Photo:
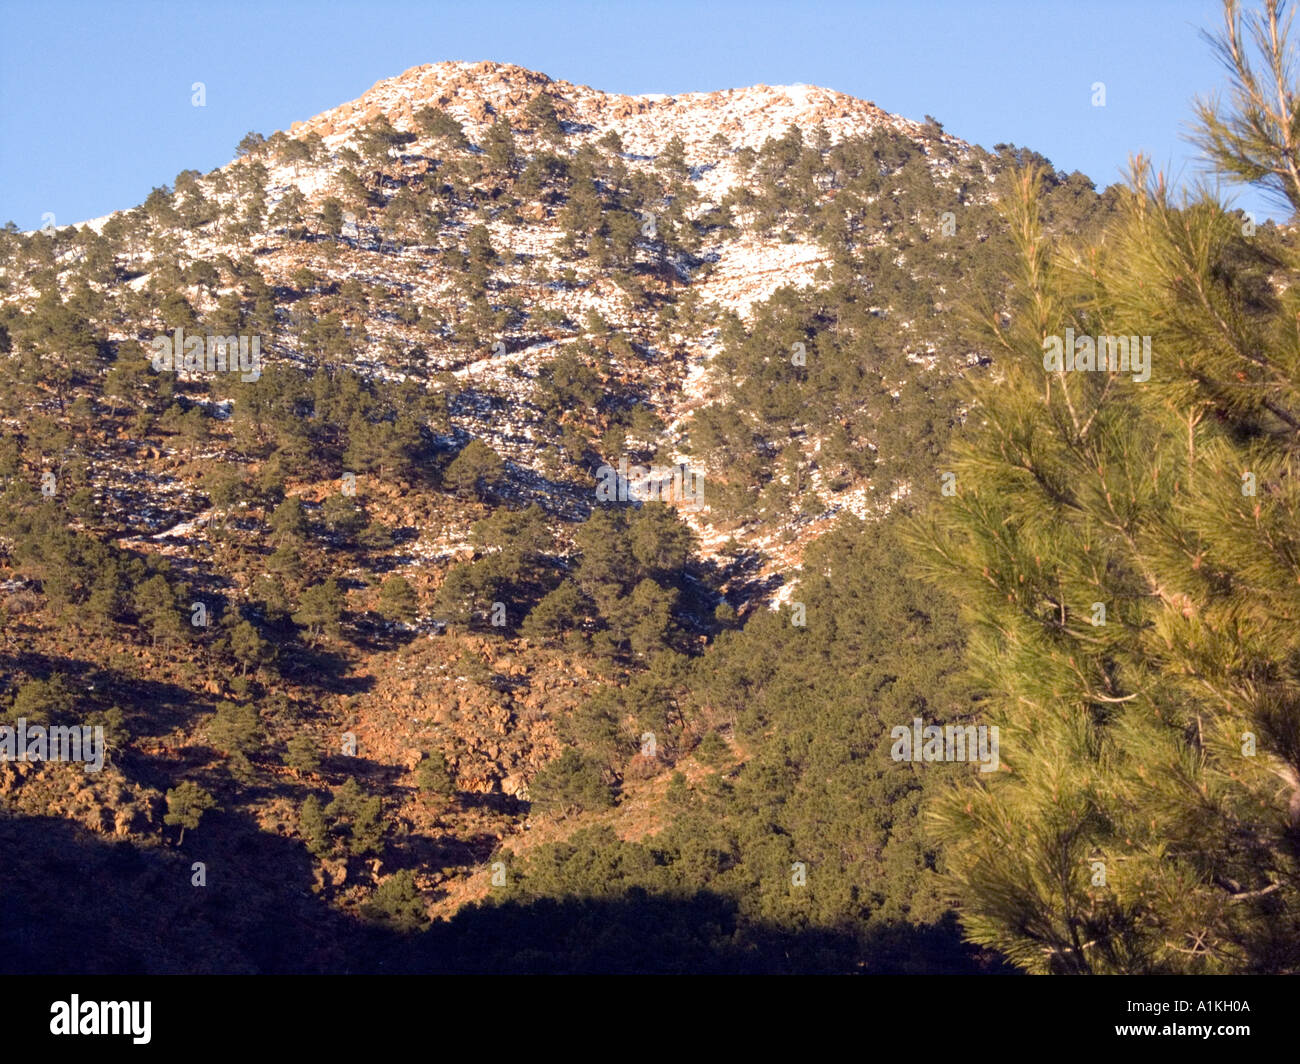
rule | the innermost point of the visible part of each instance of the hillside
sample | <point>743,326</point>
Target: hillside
<point>363,589</point>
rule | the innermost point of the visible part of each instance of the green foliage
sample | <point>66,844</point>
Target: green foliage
<point>1252,137</point>
<point>499,144</point>
<point>342,515</point>
<point>249,648</point>
<point>850,382</point>
<point>186,804</point>
<point>251,144</point>
<point>159,608</point>
<point>397,599</point>
<point>570,783</point>
<point>476,470</point>
<point>113,721</point>
<point>235,729</point>
<point>302,754</point>
<point>434,776</point>
<point>377,141</point>
<point>439,125</point>
<point>811,709</point>
<point>1144,820</point>
<point>288,519</point>
<point>320,609</point>
<point>357,818</point>
<point>713,750</point>
<point>397,904</point>
<point>558,612</point>
<point>596,727</point>
<point>633,567</point>
<point>331,216</point>
<point>313,827</point>
<point>541,113</point>
<point>43,701</point>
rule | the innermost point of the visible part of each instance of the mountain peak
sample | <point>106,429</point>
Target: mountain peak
<point>477,93</point>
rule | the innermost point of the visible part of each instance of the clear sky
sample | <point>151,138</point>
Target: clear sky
<point>95,96</point>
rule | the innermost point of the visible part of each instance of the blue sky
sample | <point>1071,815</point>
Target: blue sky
<point>95,96</point>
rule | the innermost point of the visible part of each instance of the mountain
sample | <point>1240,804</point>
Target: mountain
<point>378,583</point>
<point>477,94</point>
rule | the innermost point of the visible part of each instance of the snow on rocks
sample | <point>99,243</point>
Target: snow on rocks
<point>750,269</point>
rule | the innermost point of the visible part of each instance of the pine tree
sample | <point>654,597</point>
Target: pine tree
<point>252,144</point>
<point>475,470</point>
<point>320,608</point>
<point>313,827</point>
<point>287,520</point>
<point>377,141</point>
<point>331,216</point>
<point>435,776</point>
<point>438,125</point>
<point>1255,138</point>
<point>156,604</point>
<point>288,213</point>
<point>342,515</point>
<point>43,701</point>
<point>186,804</point>
<point>558,612</point>
<point>397,903</point>
<point>1125,550</point>
<point>545,121</point>
<point>302,754</point>
<point>359,818</point>
<point>397,599</point>
<point>499,144</point>
<point>571,782</point>
<point>235,729</point>
<point>249,648</point>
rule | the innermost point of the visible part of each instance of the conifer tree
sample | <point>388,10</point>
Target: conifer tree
<point>313,827</point>
<point>288,520</point>
<point>249,648</point>
<point>1126,552</point>
<point>320,609</point>
<point>288,213</point>
<point>157,605</point>
<point>186,804</point>
<point>541,112</point>
<point>476,469</point>
<point>397,599</point>
<point>397,903</point>
<point>252,144</point>
<point>438,125</point>
<point>303,755</point>
<point>499,143</point>
<point>434,775</point>
<point>358,817</point>
<point>234,728</point>
<point>571,782</point>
